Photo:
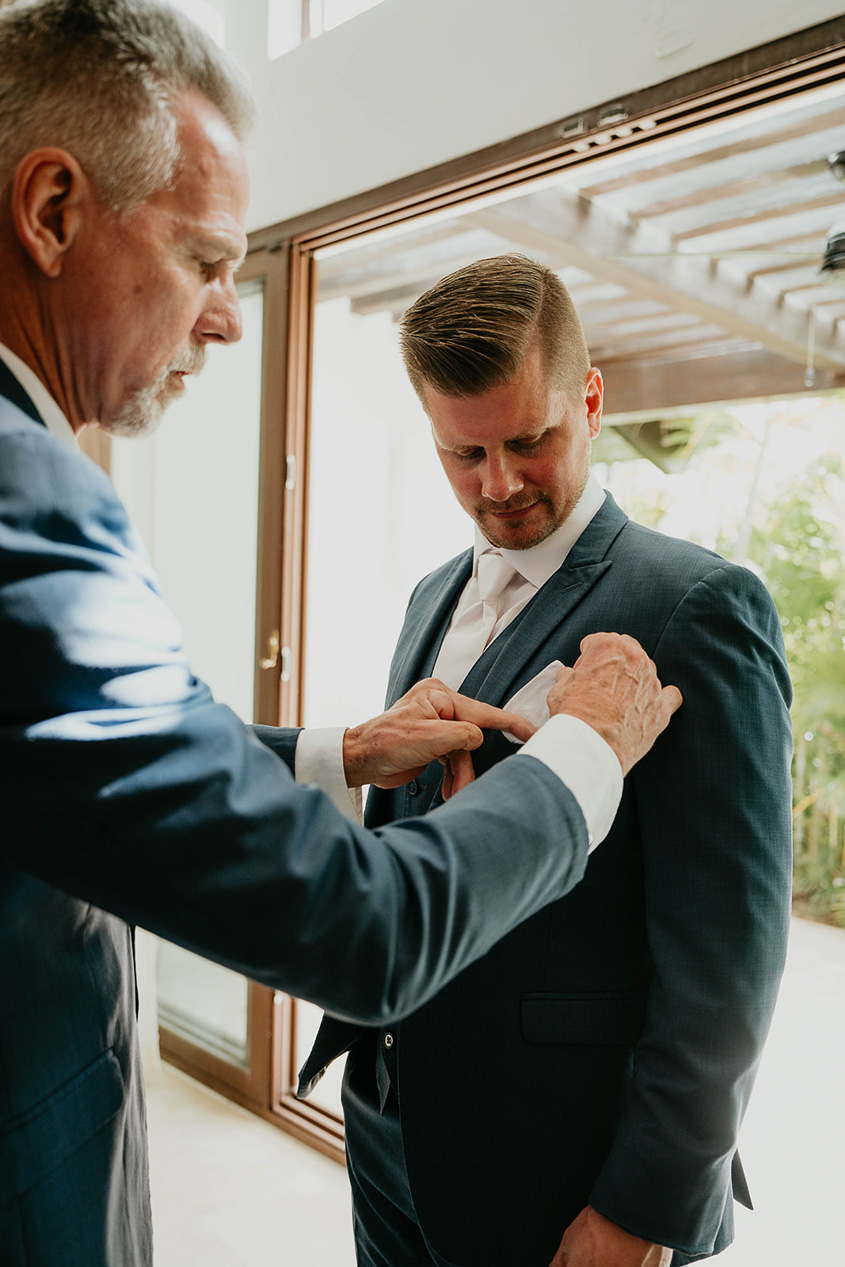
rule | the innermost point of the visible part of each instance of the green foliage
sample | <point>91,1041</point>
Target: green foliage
<point>764,484</point>
<point>798,545</point>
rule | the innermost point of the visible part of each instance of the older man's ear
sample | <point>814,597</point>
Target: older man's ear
<point>48,200</point>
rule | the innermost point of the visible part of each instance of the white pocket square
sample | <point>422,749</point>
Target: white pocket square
<point>530,700</point>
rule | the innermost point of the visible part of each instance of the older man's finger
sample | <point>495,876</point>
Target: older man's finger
<point>490,718</point>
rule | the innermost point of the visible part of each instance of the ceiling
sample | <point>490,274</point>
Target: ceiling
<point>693,260</point>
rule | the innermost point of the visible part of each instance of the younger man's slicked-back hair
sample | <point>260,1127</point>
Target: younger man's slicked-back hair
<point>100,78</point>
<point>472,331</point>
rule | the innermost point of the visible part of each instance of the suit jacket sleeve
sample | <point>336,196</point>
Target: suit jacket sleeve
<point>714,804</point>
<point>281,740</point>
<point>127,785</point>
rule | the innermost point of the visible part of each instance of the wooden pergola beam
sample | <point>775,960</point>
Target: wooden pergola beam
<point>731,189</point>
<point>642,388</point>
<point>639,258</point>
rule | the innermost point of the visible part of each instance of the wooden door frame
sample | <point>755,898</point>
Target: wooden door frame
<point>284,253</point>
<point>254,1085</point>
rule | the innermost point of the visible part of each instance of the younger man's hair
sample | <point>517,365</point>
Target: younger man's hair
<point>472,331</point>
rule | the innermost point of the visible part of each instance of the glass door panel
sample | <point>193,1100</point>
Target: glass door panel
<point>206,479</point>
<point>326,1095</point>
<point>204,1003</point>
<point>380,512</point>
<point>380,515</point>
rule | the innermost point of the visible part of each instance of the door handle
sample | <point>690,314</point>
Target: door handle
<point>271,659</point>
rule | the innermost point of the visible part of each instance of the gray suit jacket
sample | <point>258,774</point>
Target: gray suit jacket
<point>129,796</point>
<point>604,1052</point>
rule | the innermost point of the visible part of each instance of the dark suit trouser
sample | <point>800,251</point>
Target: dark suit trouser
<point>387,1233</point>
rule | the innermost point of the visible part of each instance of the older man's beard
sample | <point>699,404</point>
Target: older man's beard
<point>142,413</point>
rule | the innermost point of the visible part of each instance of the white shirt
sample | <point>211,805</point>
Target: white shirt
<point>568,746</point>
<point>532,567</point>
<point>50,412</point>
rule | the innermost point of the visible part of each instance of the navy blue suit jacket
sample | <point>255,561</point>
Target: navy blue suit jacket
<point>604,1052</point>
<point>129,796</point>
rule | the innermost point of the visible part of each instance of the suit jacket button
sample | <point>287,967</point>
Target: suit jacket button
<point>413,787</point>
<point>388,1040</point>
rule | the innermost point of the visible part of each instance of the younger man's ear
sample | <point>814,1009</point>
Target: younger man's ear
<point>49,195</point>
<point>594,398</point>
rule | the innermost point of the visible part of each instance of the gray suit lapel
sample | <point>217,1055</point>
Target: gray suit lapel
<point>519,653</point>
<point>508,663</point>
<point>496,672</point>
<point>533,639</point>
<point>12,390</point>
<point>426,625</point>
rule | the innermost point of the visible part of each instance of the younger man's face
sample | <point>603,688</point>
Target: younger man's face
<point>517,456</point>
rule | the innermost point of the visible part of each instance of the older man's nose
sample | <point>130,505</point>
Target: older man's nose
<point>221,319</point>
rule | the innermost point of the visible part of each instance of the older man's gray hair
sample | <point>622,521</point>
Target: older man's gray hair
<point>99,78</point>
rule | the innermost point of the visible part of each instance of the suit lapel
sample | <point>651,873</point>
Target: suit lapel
<point>12,390</point>
<point>532,640</point>
<point>426,624</point>
<point>513,659</point>
<point>519,653</point>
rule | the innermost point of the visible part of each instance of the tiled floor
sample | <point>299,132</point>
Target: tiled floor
<point>232,1191</point>
<point>792,1141</point>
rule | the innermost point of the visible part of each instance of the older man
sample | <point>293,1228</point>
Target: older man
<point>126,789</point>
<point>574,1097</point>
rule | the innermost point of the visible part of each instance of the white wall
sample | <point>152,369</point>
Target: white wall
<point>412,83</point>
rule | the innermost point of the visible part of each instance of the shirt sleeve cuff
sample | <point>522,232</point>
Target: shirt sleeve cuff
<point>588,766</point>
<point>319,759</point>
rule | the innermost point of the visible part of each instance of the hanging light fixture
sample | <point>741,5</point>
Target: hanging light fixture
<point>833,262</point>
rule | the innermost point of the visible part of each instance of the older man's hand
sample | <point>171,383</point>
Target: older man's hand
<point>432,722</point>
<point>614,687</point>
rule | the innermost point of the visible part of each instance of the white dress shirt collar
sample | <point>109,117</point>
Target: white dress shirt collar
<point>51,414</point>
<point>540,562</point>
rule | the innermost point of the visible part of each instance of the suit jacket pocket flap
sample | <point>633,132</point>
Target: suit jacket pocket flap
<point>583,1019</point>
<point>36,1141</point>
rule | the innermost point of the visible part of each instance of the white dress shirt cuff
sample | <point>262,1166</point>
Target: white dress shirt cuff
<point>588,766</point>
<point>319,759</point>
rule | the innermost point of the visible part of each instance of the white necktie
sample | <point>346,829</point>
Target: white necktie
<point>469,635</point>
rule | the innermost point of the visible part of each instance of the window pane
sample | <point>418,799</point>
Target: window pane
<point>381,513</point>
<point>204,1002</point>
<point>659,249</point>
<point>326,1095</point>
<point>285,20</point>
<point>284,26</point>
<point>206,479</point>
<point>206,459</point>
<point>207,14</point>
<point>335,12</point>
